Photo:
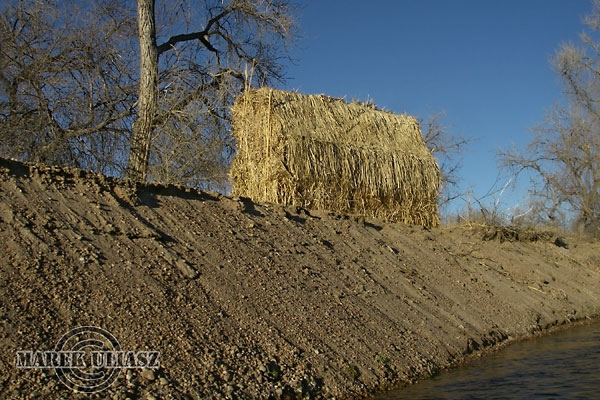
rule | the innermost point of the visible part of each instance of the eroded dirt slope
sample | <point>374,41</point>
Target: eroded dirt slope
<point>251,300</point>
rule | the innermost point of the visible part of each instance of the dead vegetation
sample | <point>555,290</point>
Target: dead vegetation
<point>323,153</point>
<point>509,233</point>
<point>514,234</point>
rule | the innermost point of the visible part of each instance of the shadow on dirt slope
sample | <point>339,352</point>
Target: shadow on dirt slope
<point>247,300</point>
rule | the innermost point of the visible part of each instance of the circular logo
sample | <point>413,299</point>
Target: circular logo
<point>85,364</point>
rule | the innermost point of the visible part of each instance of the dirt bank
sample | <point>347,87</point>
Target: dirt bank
<point>251,300</point>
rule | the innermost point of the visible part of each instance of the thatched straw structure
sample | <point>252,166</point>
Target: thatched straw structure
<point>323,153</point>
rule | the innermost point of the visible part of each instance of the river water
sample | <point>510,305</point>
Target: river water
<point>564,365</point>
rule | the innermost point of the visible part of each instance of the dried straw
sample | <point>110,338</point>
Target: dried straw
<point>323,153</point>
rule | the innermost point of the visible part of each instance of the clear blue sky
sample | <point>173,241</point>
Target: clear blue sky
<point>484,62</point>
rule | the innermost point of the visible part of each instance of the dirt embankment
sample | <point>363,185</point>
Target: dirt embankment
<point>251,300</point>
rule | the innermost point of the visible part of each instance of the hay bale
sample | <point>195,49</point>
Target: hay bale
<point>323,153</point>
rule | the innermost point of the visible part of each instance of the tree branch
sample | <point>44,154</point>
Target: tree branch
<point>202,36</point>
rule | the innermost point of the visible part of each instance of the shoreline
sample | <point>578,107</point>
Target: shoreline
<point>484,360</point>
<point>462,362</point>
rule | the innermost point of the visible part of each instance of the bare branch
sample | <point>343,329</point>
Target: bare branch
<point>447,149</point>
<point>202,36</point>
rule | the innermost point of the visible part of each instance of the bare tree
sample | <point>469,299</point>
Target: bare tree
<point>447,149</point>
<point>66,84</point>
<point>564,154</point>
<point>148,92</point>
<point>81,84</point>
<point>199,72</point>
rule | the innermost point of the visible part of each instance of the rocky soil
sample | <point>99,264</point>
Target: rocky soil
<point>248,300</point>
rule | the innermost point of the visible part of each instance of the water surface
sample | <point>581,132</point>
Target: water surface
<point>564,365</point>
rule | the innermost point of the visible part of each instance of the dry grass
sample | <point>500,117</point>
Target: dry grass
<point>323,153</point>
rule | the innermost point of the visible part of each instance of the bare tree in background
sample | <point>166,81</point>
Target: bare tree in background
<point>76,88</point>
<point>447,150</point>
<point>564,154</point>
<point>198,73</point>
<point>147,94</point>
<point>66,82</point>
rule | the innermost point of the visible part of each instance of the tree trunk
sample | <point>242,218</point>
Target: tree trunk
<point>137,165</point>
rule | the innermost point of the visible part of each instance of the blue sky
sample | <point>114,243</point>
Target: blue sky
<point>484,62</point>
